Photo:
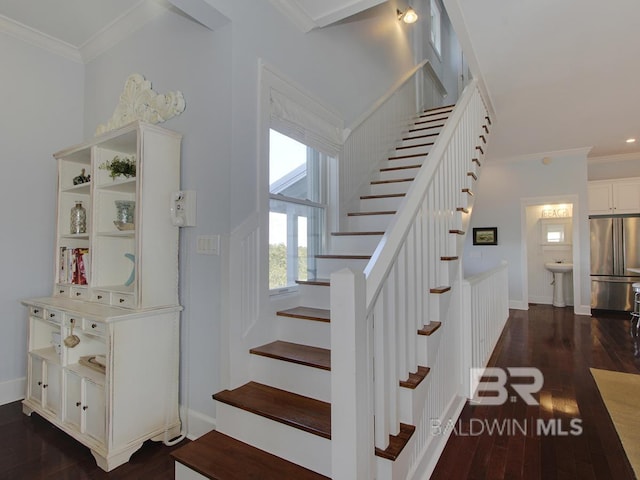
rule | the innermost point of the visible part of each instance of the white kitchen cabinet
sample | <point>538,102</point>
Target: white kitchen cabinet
<point>116,290</point>
<point>608,197</point>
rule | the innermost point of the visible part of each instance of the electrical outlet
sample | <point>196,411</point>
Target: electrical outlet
<point>208,244</point>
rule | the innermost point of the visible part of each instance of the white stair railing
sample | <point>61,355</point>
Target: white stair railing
<point>393,302</point>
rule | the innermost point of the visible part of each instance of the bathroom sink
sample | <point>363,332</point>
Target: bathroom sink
<point>558,267</point>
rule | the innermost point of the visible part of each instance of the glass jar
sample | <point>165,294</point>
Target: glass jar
<point>125,210</point>
<point>78,219</point>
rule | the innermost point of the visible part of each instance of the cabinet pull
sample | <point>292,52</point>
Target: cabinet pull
<point>52,315</point>
<point>93,325</point>
<point>39,384</point>
<point>121,300</point>
<point>99,297</point>
<point>78,404</point>
<point>85,407</point>
<point>72,321</point>
<point>60,291</point>
<point>45,385</point>
<point>36,311</point>
<point>78,294</point>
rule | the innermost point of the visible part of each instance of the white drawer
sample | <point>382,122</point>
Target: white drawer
<point>93,327</point>
<point>62,290</point>
<point>36,312</point>
<point>122,300</point>
<point>80,293</point>
<point>101,296</point>
<point>54,316</point>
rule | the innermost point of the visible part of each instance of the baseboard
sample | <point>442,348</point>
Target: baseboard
<point>198,424</point>
<point>582,310</point>
<point>429,457</point>
<point>13,390</point>
<point>518,305</point>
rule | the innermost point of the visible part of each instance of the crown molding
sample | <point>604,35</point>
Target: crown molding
<point>123,26</point>
<point>296,14</point>
<point>622,157</point>
<point>39,39</point>
<point>571,152</point>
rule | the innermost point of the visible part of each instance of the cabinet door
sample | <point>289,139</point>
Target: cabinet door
<point>73,400</point>
<point>36,378</point>
<point>626,197</point>
<point>94,409</point>
<point>53,388</point>
<point>600,198</point>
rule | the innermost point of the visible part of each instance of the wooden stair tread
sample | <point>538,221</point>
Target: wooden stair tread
<point>443,107</point>
<point>323,282</point>
<point>397,442</point>
<point>341,234</point>
<point>220,457</point>
<point>440,290</point>
<point>415,378</point>
<point>415,137</point>
<point>457,232</point>
<point>296,353</point>
<point>417,145</point>
<point>306,313</point>
<point>397,180</point>
<point>304,413</point>
<point>394,169</point>
<point>387,195</point>
<point>345,257</point>
<point>430,328</point>
<point>413,155</point>
<point>364,214</point>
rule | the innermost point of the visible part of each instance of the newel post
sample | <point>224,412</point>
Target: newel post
<point>352,445</point>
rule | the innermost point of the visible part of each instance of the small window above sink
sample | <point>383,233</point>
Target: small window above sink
<point>555,231</point>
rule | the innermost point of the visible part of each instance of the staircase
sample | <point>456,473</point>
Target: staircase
<point>279,424</point>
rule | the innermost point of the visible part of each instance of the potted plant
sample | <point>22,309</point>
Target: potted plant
<point>120,166</point>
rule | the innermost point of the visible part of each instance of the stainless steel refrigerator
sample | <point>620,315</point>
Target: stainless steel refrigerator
<point>614,248</point>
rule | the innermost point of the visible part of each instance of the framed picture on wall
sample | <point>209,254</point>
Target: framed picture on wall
<point>485,236</point>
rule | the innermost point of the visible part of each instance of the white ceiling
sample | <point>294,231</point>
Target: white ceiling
<point>561,75</point>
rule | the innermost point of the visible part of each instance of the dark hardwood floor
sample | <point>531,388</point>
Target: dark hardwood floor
<point>561,345</point>
<point>31,448</point>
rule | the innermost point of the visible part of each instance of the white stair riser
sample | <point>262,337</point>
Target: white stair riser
<point>380,204</point>
<point>182,472</point>
<point>303,380</point>
<point>354,244</point>
<point>386,188</point>
<point>438,305</point>
<point>369,223</point>
<point>404,162</point>
<point>412,148</point>
<point>326,266</point>
<point>418,130</point>
<point>306,449</point>
<point>411,402</point>
<point>306,332</point>
<point>418,138</point>
<point>314,296</point>
<point>397,174</point>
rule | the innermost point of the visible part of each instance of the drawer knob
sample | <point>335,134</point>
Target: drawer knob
<point>52,315</point>
<point>60,291</point>
<point>45,385</point>
<point>85,407</point>
<point>93,325</point>
<point>78,294</point>
<point>36,311</point>
<point>72,321</point>
<point>39,383</point>
<point>122,300</point>
<point>78,404</point>
<point>99,297</point>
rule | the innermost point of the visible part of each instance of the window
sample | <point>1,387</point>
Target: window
<point>436,27</point>
<point>297,210</point>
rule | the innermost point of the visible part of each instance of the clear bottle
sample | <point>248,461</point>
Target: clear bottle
<point>78,219</point>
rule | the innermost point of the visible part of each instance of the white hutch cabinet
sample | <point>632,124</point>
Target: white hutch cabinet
<point>116,291</point>
<point>621,196</point>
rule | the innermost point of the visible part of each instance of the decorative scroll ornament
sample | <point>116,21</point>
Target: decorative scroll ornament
<point>139,102</point>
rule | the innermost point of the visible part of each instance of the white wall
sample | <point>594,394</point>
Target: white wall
<point>500,192</point>
<point>175,53</point>
<point>41,98</point>
<point>614,167</point>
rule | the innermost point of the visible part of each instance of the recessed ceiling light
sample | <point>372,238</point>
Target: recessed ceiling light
<point>631,140</point>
